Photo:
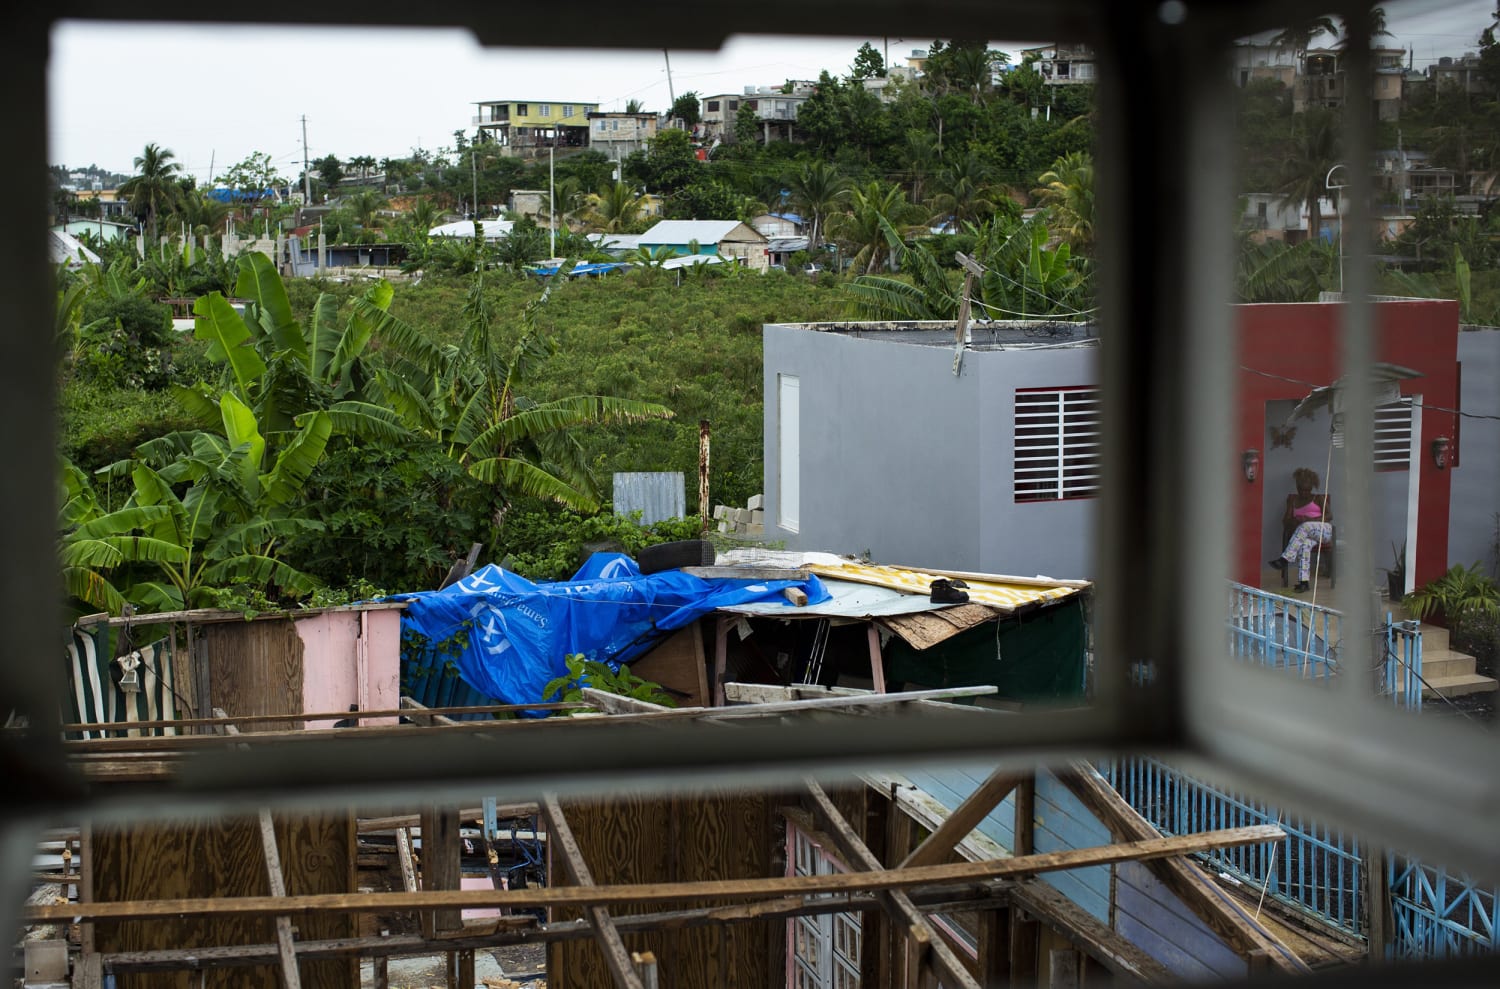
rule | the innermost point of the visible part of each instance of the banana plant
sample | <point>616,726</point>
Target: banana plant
<point>205,512</point>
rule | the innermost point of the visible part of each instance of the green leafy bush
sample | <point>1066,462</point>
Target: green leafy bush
<point>585,673</point>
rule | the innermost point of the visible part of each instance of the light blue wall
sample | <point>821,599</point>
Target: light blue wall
<point>904,460</point>
<point>1476,480</point>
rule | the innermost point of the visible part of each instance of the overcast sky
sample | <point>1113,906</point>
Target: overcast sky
<point>225,92</point>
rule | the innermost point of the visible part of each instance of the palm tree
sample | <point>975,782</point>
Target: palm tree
<point>921,157</point>
<point>615,208</point>
<point>966,193</point>
<point>817,190</point>
<point>1299,35</point>
<point>633,106</point>
<point>154,187</point>
<point>1304,172</point>
<point>365,204</point>
<point>1067,190</point>
<point>872,208</point>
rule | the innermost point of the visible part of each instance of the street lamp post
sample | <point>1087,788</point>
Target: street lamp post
<point>1330,187</point>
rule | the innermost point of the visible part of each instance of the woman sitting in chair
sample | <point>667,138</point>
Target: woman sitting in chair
<point>1313,520</point>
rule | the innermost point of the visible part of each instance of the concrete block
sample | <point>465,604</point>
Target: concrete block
<point>723,526</point>
<point>742,515</point>
<point>756,502</point>
<point>720,511</point>
<point>755,529</point>
<point>46,961</point>
<point>757,517</point>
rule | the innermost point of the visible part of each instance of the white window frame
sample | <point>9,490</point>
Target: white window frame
<point>544,110</point>
<point>1424,785</point>
<point>1057,444</point>
<point>789,452</point>
<point>822,950</point>
<point>1393,436</point>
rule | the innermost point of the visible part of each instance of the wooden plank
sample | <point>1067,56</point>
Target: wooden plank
<point>739,889</point>
<point>964,818</point>
<point>995,578</point>
<point>748,573</point>
<point>898,903</point>
<point>285,950</point>
<point>404,856</point>
<point>439,863</point>
<point>877,661</point>
<point>678,664</point>
<point>1184,879</point>
<point>1062,969</point>
<point>605,932</point>
<point>617,704</point>
<point>524,930</point>
<point>256,668</point>
<point>368,825</point>
<point>1025,829</point>
<point>1118,954</point>
<point>326,716</point>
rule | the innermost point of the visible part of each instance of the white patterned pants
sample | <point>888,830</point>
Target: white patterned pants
<point>1305,540</point>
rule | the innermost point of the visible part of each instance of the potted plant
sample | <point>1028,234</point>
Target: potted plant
<point>1461,595</point>
<point>1395,576</point>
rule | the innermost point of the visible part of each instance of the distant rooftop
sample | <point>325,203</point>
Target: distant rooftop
<point>1013,334</point>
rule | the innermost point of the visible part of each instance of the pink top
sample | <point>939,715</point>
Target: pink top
<point>1309,511</point>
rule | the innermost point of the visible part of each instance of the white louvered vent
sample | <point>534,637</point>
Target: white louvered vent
<point>1057,444</point>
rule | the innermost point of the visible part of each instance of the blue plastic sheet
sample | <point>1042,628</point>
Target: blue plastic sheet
<point>510,636</point>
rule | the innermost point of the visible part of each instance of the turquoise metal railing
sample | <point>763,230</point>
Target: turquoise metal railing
<point>1282,632</point>
<point>1439,914</point>
<point>1403,663</point>
<point>1316,869</point>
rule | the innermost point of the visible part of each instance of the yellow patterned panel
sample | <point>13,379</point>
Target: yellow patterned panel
<point>997,594</point>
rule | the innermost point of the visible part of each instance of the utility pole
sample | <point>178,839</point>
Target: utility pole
<point>552,198</point>
<point>671,96</point>
<point>306,173</point>
<point>474,170</point>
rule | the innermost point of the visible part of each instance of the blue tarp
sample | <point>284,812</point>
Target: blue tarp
<point>510,637</point>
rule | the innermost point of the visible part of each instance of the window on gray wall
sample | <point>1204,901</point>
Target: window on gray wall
<point>1057,443</point>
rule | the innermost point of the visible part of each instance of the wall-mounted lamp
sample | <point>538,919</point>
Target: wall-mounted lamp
<point>1251,462</point>
<point>1440,452</point>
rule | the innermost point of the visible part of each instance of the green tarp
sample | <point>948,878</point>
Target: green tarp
<point>1039,657</point>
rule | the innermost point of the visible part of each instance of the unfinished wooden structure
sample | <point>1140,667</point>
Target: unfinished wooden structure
<point>829,882</point>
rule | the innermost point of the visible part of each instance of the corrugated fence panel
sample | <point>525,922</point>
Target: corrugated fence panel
<point>657,495</point>
<point>1151,916</point>
<point>1062,823</point>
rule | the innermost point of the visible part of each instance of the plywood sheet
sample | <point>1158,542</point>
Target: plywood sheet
<point>678,664</point>
<point>696,836</point>
<point>931,627</point>
<point>223,857</point>
<point>254,668</point>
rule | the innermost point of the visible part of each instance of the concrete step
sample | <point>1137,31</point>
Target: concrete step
<point>1434,637</point>
<point>1458,686</point>
<point>1445,662</point>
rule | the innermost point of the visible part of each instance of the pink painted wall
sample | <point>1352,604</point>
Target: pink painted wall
<point>351,656</point>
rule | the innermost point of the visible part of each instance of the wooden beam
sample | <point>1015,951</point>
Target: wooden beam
<point>524,930</point>
<point>616,704</point>
<point>1183,878</point>
<point>964,818</point>
<point>1055,911</point>
<point>440,867</point>
<point>1025,824</point>
<point>605,932</point>
<point>898,903</point>
<point>322,716</point>
<point>408,863</point>
<point>727,889</point>
<point>285,949</point>
<point>765,693</point>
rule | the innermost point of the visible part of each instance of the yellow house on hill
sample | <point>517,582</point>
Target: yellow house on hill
<point>522,126</point>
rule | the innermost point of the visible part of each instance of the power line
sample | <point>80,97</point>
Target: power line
<point>1314,384</point>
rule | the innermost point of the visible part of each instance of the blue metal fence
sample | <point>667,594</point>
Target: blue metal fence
<point>1438,914</point>
<point>429,677</point>
<point>1315,870</point>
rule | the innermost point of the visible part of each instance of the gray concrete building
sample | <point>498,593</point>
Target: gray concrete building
<point>874,445</point>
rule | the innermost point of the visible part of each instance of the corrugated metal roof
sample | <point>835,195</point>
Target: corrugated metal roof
<point>705,232</point>
<point>994,591</point>
<point>493,229</point>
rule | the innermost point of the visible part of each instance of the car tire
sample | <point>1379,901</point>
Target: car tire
<point>675,555</point>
